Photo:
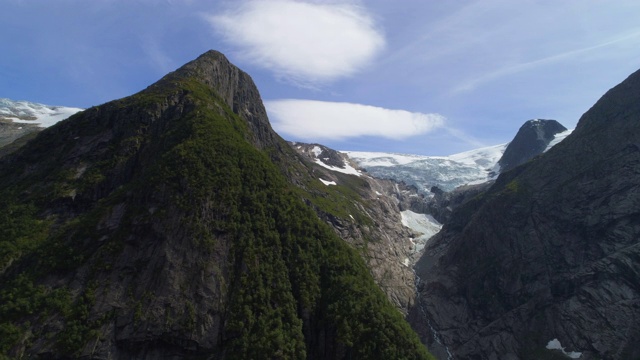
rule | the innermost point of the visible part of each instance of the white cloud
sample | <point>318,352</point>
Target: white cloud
<point>320,120</point>
<point>301,41</point>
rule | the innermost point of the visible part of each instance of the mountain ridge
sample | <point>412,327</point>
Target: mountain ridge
<point>164,223</point>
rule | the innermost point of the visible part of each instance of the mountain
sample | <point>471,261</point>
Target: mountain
<point>532,139</point>
<point>467,168</point>
<point>546,263</point>
<point>19,118</point>
<point>176,223</point>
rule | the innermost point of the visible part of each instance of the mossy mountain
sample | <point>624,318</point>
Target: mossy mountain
<point>166,224</point>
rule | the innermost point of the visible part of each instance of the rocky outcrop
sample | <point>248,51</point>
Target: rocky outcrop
<point>549,254</point>
<point>532,139</point>
<point>442,204</point>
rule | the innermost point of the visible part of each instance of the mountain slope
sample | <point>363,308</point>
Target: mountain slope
<point>163,224</point>
<point>549,254</point>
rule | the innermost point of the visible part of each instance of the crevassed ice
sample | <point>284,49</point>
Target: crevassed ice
<point>420,223</point>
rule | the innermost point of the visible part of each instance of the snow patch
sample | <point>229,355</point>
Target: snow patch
<point>558,138</point>
<point>555,345</point>
<point>327,182</point>
<point>347,168</point>
<point>316,151</point>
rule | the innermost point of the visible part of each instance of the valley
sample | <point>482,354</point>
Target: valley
<point>177,221</point>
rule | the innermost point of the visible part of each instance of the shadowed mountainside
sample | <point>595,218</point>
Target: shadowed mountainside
<point>166,224</point>
<point>550,251</point>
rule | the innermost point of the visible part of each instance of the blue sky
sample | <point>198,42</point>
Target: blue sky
<point>408,76</point>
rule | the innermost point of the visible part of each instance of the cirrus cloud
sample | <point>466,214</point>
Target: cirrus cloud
<point>321,120</point>
<point>303,42</point>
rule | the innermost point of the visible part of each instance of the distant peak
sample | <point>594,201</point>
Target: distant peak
<point>543,122</point>
<point>532,139</point>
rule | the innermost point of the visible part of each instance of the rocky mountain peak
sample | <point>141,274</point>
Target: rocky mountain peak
<point>532,139</point>
<point>230,84</point>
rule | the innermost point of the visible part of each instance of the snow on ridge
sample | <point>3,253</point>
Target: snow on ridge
<point>486,156</point>
<point>316,151</point>
<point>45,115</point>
<point>558,138</point>
<point>348,169</point>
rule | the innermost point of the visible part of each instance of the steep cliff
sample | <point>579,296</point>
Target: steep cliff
<point>166,224</point>
<point>549,255</point>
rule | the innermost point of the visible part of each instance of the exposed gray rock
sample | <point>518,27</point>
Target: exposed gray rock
<point>10,131</point>
<point>443,203</point>
<point>550,251</point>
<point>532,139</point>
<point>383,240</point>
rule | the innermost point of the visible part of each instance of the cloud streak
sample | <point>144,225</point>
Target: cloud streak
<point>311,120</point>
<point>303,42</point>
<point>526,66</point>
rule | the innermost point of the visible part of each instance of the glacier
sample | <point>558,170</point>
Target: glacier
<point>33,113</point>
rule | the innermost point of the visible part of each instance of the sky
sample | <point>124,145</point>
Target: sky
<point>406,76</point>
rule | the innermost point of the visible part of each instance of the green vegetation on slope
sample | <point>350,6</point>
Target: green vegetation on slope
<point>295,290</point>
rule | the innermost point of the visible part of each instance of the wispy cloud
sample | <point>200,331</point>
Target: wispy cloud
<point>479,42</point>
<point>303,42</point>
<point>529,65</point>
<point>320,120</point>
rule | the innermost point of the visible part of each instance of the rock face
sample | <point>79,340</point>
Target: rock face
<point>383,241</point>
<point>443,203</point>
<point>532,139</point>
<point>550,252</point>
<point>10,131</point>
<point>176,224</point>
